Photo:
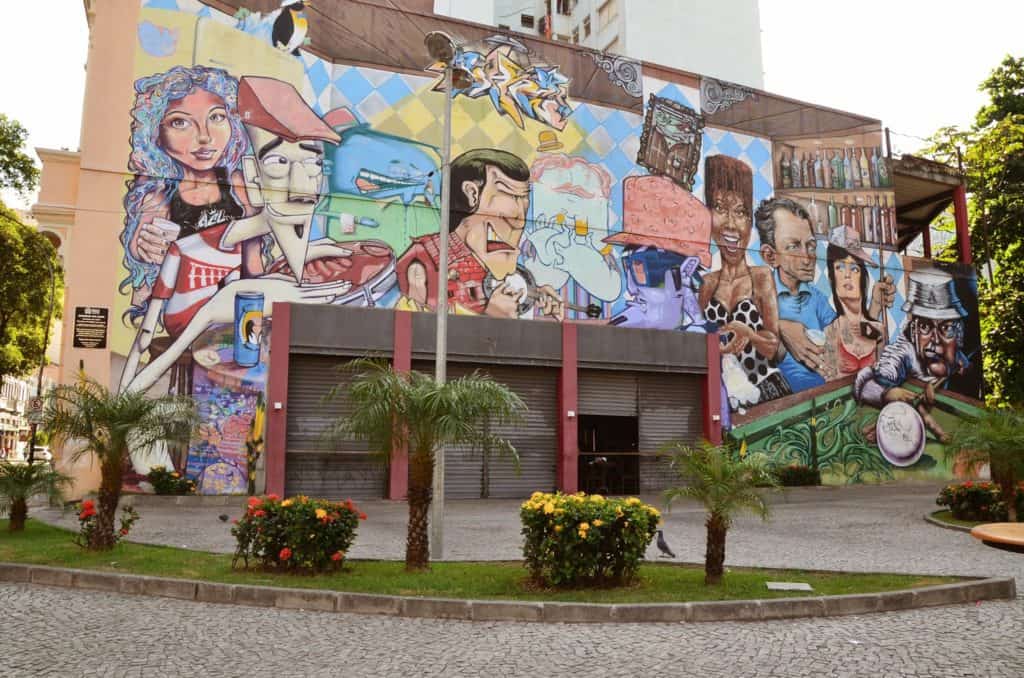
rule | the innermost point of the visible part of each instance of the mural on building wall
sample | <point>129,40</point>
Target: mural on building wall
<point>261,174</point>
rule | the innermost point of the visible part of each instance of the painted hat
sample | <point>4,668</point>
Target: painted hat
<point>548,141</point>
<point>847,238</point>
<point>932,295</point>
<point>657,212</point>
<point>277,107</point>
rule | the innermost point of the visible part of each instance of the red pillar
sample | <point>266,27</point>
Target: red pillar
<point>398,477</point>
<point>926,241</point>
<point>568,397</point>
<point>713,392</point>
<point>277,397</point>
<point>963,229</point>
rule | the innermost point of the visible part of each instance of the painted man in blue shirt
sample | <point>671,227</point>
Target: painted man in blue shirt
<point>788,246</point>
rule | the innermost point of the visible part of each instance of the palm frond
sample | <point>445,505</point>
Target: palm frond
<point>997,436</point>
<point>23,481</point>
<point>390,409</point>
<point>91,419</point>
<point>719,480</point>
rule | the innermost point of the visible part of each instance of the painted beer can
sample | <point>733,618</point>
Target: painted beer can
<point>248,328</point>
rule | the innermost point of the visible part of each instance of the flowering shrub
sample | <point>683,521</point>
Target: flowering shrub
<point>169,482</point>
<point>579,540</point>
<point>796,475</point>
<point>973,501</point>
<point>297,534</point>
<point>87,522</point>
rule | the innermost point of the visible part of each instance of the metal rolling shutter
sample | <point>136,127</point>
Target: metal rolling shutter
<point>535,439</point>
<point>670,409</point>
<point>315,466</point>
<point>608,393</point>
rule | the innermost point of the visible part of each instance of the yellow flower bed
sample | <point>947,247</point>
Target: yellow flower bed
<point>580,540</point>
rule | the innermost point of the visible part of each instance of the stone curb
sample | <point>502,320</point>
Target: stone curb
<point>928,518</point>
<point>995,588</point>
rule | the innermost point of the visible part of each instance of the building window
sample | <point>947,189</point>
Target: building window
<point>561,37</point>
<point>565,7</point>
<point>576,35</point>
<point>607,14</point>
<point>504,27</point>
<point>586,26</point>
<point>526,20</point>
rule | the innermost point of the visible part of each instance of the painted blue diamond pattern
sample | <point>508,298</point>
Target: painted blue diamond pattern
<point>162,4</point>
<point>617,127</point>
<point>394,90</point>
<point>729,146</point>
<point>584,118</point>
<point>671,91</point>
<point>352,86</point>
<point>762,188</point>
<point>759,152</point>
<point>618,164</point>
<point>318,78</point>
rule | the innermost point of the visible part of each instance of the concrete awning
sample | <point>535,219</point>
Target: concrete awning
<point>924,189</point>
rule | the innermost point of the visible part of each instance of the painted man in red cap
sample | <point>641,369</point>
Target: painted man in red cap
<point>202,274</point>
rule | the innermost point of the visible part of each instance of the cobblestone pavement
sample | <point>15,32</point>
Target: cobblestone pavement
<point>58,632</point>
<point>71,633</point>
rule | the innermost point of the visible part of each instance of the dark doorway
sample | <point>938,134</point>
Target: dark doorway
<point>608,461</point>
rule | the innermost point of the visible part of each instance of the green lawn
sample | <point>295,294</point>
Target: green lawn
<point>946,516</point>
<point>43,544</point>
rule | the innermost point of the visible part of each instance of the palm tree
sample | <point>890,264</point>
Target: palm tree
<point>19,482</point>
<point>410,410</point>
<point>995,438</point>
<point>91,419</point>
<point>725,485</point>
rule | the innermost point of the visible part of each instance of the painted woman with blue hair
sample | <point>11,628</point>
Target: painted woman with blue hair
<point>187,145</point>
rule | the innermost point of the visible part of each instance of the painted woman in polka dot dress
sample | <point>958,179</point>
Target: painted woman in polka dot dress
<point>740,298</point>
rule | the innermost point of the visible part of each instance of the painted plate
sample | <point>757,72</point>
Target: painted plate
<point>900,433</point>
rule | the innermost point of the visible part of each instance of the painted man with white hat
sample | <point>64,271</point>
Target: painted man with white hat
<point>284,179</point>
<point>928,349</point>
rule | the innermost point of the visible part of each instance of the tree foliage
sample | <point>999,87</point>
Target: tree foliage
<point>88,418</point>
<point>993,159</point>
<point>725,484</point>
<point>411,411</point>
<point>25,260</point>
<point>995,438</point>
<point>17,170</point>
<point>21,482</point>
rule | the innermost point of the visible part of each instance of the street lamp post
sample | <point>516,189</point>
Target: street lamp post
<point>42,360</point>
<point>442,48</point>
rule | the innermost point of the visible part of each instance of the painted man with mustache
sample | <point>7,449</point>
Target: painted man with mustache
<point>490,197</point>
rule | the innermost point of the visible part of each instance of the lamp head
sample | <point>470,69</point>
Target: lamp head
<point>461,78</point>
<point>440,46</point>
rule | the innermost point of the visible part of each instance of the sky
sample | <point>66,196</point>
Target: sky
<point>915,64</point>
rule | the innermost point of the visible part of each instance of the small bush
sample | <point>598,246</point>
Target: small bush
<point>796,475</point>
<point>297,534</point>
<point>169,482</point>
<point>973,501</point>
<point>581,540</point>
<point>87,522</point>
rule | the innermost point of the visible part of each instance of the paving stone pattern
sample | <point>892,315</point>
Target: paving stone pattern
<point>65,632</point>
